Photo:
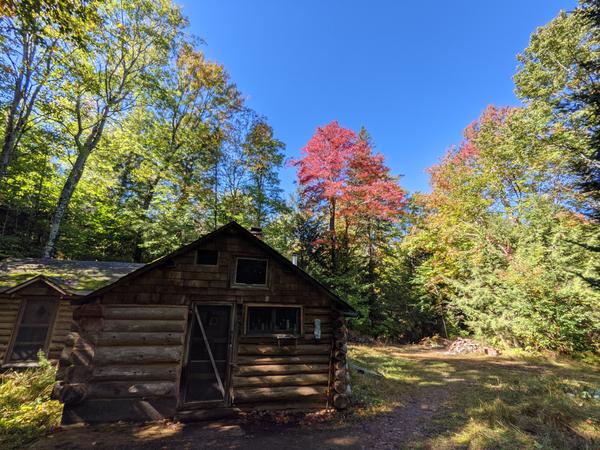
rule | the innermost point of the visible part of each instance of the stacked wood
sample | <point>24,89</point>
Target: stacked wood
<point>340,385</point>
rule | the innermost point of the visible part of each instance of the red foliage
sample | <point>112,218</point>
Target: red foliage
<point>337,165</point>
<point>466,154</point>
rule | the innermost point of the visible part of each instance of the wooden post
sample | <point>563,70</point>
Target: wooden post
<point>340,383</point>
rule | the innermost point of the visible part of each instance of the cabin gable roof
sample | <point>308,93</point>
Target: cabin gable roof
<point>55,285</point>
<point>245,234</point>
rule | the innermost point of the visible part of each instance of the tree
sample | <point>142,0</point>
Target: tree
<point>495,246</point>
<point>32,34</point>
<point>558,76</point>
<point>185,111</point>
<point>264,155</point>
<point>322,173</point>
<point>131,41</point>
<point>343,179</point>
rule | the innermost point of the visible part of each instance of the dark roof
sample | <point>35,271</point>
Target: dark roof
<point>345,306</point>
<point>79,277</point>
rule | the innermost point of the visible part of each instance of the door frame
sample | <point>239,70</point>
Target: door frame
<point>200,404</point>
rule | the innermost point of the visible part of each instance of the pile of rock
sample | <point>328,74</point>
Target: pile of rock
<point>463,346</point>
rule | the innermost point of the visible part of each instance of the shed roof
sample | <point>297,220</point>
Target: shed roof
<point>78,277</point>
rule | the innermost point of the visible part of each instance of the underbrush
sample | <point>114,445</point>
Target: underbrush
<point>483,402</point>
<point>26,411</point>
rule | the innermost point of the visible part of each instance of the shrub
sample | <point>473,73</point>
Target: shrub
<point>26,411</point>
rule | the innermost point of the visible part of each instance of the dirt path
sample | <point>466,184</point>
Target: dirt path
<point>434,387</point>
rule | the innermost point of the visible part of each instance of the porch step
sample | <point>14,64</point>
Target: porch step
<point>193,415</point>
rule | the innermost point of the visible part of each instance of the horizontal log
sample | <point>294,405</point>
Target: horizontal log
<point>132,338</point>
<point>282,380</point>
<point>275,350</point>
<point>145,313</point>
<point>307,404</point>
<point>280,369</point>
<point>123,389</point>
<point>127,355</point>
<point>127,409</point>
<point>304,339</point>
<point>144,325</point>
<point>261,360</point>
<point>277,393</point>
<point>124,373</point>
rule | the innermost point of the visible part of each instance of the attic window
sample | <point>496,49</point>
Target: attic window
<point>207,257</point>
<point>273,320</point>
<point>251,271</point>
<point>32,330</point>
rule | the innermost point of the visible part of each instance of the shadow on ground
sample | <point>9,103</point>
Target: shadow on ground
<point>424,399</point>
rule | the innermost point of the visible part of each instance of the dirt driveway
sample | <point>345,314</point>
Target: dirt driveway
<point>434,388</point>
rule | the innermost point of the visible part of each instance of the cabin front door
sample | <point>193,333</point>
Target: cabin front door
<point>206,373</point>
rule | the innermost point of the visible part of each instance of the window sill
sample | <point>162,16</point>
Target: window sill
<point>21,365</point>
<point>274,336</point>
<point>249,286</point>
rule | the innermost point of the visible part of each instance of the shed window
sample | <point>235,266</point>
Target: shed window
<point>261,320</point>
<point>31,333</point>
<point>251,271</point>
<point>207,257</point>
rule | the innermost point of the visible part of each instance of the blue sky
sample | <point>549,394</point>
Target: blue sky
<point>413,73</point>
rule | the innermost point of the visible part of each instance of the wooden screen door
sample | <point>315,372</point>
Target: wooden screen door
<point>207,366</point>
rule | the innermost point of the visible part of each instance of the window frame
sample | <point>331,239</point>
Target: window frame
<point>273,305</point>
<point>234,283</point>
<point>15,331</point>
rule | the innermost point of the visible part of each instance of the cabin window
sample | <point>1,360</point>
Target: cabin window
<point>267,320</point>
<point>207,257</point>
<point>251,271</point>
<point>31,333</point>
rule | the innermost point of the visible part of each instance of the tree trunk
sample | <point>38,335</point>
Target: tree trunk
<point>64,200</point>
<point>333,236</point>
<point>73,179</point>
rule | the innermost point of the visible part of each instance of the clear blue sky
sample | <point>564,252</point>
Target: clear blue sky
<point>414,73</point>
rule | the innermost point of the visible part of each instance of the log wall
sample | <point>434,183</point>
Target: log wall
<point>10,306</point>
<point>132,341</point>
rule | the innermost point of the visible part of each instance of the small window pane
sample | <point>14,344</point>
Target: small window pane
<point>251,271</point>
<point>273,320</point>
<point>33,329</point>
<point>25,352</point>
<point>38,312</point>
<point>287,320</point>
<point>32,334</point>
<point>207,257</point>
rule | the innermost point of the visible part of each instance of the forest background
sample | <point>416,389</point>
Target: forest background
<point>122,141</point>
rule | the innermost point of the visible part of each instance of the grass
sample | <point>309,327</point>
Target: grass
<point>481,402</point>
<point>26,411</point>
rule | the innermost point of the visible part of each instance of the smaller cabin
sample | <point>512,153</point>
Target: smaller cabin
<point>36,315</point>
<point>221,325</point>
<point>35,304</point>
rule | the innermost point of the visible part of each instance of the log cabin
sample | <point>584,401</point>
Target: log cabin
<point>222,325</point>
<point>35,304</point>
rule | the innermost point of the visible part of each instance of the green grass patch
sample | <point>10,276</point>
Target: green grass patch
<point>26,411</point>
<point>484,403</point>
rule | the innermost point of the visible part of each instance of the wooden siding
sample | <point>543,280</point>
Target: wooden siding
<point>136,335</point>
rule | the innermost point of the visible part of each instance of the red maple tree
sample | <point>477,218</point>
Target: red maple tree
<point>339,173</point>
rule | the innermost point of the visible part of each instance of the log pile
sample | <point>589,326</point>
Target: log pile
<point>463,346</point>
<point>340,385</point>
